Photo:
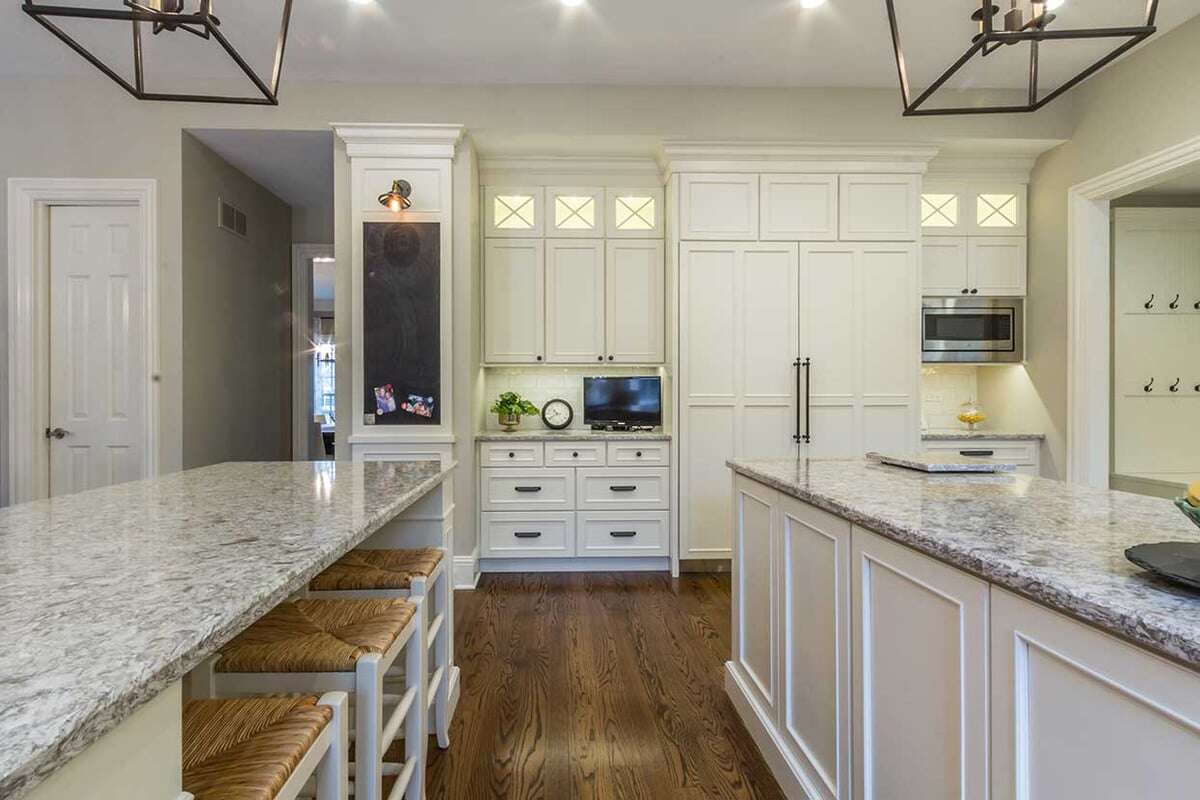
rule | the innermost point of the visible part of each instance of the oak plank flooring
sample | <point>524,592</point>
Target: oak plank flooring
<point>596,687</point>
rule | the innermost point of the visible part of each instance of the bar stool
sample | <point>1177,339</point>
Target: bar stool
<point>341,645</point>
<point>403,573</point>
<point>266,748</point>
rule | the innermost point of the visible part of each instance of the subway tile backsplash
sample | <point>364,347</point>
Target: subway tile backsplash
<point>547,383</point>
<point>944,388</point>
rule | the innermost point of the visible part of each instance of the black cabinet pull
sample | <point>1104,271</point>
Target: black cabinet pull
<point>527,534</point>
<point>804,364</point>
<point>977,452</point>
<point>527,489</point>
<point>623,534</point>
<point>622,488</point>
<point>966,291</point>
<point>974,291</point>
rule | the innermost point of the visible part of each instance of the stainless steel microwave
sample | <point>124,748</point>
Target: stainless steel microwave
<point>973,330</point>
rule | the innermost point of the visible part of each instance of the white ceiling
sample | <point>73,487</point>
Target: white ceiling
<point>636,42</point>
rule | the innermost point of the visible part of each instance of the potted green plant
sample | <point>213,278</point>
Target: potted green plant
<point>508,409</point>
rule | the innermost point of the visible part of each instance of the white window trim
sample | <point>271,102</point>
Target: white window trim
<point>29,203</point>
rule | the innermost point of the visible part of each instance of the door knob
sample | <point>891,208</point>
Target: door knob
<point>57,433</point>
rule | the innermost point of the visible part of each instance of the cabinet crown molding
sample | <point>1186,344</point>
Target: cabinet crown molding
<point>722,156</point>
<point>998,169</point>
<point>384,140</point>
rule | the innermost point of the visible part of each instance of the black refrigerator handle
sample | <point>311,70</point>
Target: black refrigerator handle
<point>803,364</point>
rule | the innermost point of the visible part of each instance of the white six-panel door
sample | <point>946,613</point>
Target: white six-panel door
<point>97,371</point>
<point>739,307</point>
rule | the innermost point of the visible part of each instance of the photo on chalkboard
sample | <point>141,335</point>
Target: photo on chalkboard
<point>402,365</point>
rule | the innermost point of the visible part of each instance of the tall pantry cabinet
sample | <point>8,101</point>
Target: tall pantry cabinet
<point>798,312</point>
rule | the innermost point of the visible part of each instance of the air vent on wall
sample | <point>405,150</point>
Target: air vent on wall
<point>230,218</point>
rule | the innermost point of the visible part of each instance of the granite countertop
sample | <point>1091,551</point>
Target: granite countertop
<point>110,596</point>
<point>942,461</point>
<point>952,435</point>
<point>1060,544</point>
<point>573,435</point>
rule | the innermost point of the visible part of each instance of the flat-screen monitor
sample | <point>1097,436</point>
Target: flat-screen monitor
<point>627,401</point>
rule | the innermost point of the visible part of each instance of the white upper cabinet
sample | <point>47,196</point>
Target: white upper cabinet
<point>514,293</point>
<point>574,212</point>
<point>944,208</point>
<point>635,304</point>
<point>799,208</point>
<point>944,266</point>
<point>997,265</point>
<point>720,207</point>
<point>574,300</point>
<point>634,213</point>
<point>512,211</point>
<point>879,208</point>
<point>973,208</point>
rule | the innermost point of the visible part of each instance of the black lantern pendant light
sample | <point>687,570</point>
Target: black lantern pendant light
<point>166,17</point>
<point>1012,28</point>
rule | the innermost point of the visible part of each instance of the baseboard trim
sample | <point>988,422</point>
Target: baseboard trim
<point>655,564</point>
<point>466,571</point>
<point>791,779</point>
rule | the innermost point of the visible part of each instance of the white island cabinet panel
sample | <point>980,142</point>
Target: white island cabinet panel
<point>815,659</point>
<point>920,675</point>
<point>754,619</point>
<point>1078,714</point>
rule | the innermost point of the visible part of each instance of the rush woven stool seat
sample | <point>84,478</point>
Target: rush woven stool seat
<point>265,748</point>
<point>345,645</point>
<point>403,573</point>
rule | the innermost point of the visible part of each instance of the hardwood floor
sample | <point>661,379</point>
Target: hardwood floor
<point>596,687</point>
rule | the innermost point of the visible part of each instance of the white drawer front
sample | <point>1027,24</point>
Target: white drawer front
<point>575,454</point>
<point>1006,451</point>
<point>528,535</point>
<point>527,489</point>
<point>510,454</point>
<point>639,454</point>
<point>623,533</point>
<point>625,489</point>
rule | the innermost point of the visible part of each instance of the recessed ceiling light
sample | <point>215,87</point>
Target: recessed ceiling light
<point>811,3</point>
<point>1053,4</point>
<point>572,3</point>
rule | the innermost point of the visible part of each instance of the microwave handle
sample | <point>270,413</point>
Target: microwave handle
<point>803,364</point>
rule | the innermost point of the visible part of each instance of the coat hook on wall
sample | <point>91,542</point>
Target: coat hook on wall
<point>1175,303</point>
<point>1149,387</point>
<point>1149,304</point>
<point>1175,385</point>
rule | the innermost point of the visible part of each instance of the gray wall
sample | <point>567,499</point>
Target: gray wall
<point>236,303</point>
<point>1136,107</point>
<point>88,128</point>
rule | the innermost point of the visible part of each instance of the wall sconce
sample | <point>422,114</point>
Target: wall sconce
<point>397,198</point>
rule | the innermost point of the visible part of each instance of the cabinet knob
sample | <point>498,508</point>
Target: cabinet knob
<point>574,455</point>
<point>610,358</point>
<point>539,358</point>
<point>599,358</point>
<point>512,455</point>
<point>966,291</point>
<point>974,291</point>
<point>639,454</point>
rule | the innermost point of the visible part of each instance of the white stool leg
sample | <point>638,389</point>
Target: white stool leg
<point>442,659</point>
<point>333,773</point>
<point>416,725</point>
<point>368,726</point>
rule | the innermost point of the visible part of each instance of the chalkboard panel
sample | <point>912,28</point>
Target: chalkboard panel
<point>402,365</point>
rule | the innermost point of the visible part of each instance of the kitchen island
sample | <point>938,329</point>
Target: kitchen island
<point>110,597</point>
<point>899,635</point>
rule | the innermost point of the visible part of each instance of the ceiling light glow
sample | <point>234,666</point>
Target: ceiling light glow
<point>811,3</point>
<point>572,3</point>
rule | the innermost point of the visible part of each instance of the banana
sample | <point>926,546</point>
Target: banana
<point>1194,494</point>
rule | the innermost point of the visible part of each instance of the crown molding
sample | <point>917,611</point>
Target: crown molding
<point>384,140</point>
<point>898,157</point>
<point>560,165</point>
<point>1008,169</point>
